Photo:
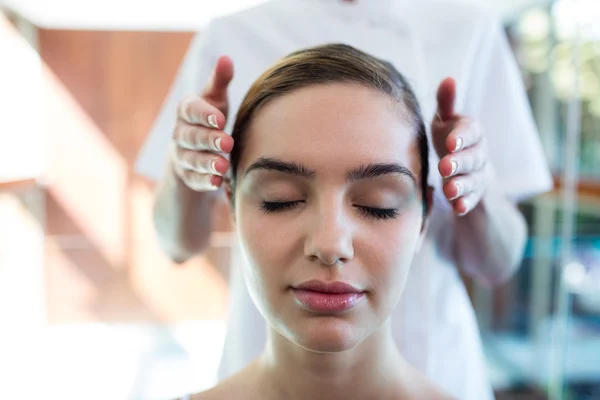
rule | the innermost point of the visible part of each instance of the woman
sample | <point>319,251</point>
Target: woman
<point>329,232</point>
<point>475,227</point>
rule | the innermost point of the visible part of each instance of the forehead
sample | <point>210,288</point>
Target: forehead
<point>342,124</point>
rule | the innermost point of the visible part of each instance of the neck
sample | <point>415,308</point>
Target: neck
<point>373,369</point>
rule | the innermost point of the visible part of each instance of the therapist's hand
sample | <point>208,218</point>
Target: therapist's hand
<point>199,140</point>
<point>460,144</point>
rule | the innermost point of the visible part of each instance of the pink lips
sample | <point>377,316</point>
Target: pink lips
<point>327,297</point>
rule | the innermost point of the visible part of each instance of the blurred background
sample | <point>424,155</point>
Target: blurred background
<point>90,307</point>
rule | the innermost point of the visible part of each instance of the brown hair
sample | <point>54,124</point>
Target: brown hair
<point>328,64</point>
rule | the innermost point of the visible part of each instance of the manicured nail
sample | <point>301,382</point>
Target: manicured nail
<point>458,191</point>
<point>214,185</point>
<point>454,167</point>
<point>212,121</point>
<point>213,167</point>
<point>459,143</point>
<point>218,144</point>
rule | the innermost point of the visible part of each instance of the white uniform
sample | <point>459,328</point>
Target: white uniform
<point>434,324</point>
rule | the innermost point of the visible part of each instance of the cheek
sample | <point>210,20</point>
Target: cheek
<point>260,235</point>
<point>389,251</point>
<point>265,246</point>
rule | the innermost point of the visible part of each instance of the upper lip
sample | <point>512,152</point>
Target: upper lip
<point>327,287</point>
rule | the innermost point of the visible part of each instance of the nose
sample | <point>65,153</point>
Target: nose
<point>330,236</point>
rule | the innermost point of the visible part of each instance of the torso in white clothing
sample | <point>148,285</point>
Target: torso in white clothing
<point>434,323</point>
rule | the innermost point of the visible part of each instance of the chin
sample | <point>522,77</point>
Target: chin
<point>327,335</point>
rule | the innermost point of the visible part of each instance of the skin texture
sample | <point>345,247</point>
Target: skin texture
<point>327,235</point>
<point>489,230</point>
<point>328,225</point>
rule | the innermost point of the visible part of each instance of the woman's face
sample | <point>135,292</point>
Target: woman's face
<point>328,212</point>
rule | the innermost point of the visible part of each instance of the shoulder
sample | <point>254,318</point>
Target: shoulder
<point>216,393</point>
<point>223,391</point>
<point>421,388</point>
<point>240,386</point>
<point>430,392</point>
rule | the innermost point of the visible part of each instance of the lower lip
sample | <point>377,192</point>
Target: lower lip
<point>327,302</point>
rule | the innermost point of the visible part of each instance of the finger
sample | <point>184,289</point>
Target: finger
<point>202,162</point>
<point>439,134</point>
<point>464,205</point>
<point>446,126</point>
<point>464,134</point>
<point>465,161</point>
<point>193,137</point>
<point>216,89</point>
<point>445,98</point>
<point>198,181</point>
<point>463,185</point>
<point>196,111</point>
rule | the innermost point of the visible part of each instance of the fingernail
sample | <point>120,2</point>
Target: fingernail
<point>218,144</point>
<point>459,143</point>
<point>213,166</point>
<point>213,184</point>
<point>458,191</point>
<point>454,167</point>
<point>212,121</point>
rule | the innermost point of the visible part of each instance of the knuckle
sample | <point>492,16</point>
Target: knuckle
<point>184,108</point>
<point>183,134</point>
<point>187,159</point>
<point>200,138</point>
<point>180,172</point>
<point>193,180</point>
<point>192,137</point>
<point>179,154</point>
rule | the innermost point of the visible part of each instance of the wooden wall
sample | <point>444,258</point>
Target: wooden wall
<point>103,91</point>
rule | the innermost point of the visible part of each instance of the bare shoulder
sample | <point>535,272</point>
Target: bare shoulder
<point>225,391</point>
<point>431,392</point>
<point>438,395</point>
<point>219,392</point>
<point>422,388</point>
<point>241,386</point>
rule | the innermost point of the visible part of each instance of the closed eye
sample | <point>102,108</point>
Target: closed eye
<point>369,212</point>
<point>378,213</point>
<point>274,206</point>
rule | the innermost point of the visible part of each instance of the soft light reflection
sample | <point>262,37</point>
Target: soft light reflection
<point>21,117</point>
<point>577,17</point>
<point>87,175</point>
<point>574,274</point>
<point>534,25</point>
<point>22,312</point>
<point>177,293</point>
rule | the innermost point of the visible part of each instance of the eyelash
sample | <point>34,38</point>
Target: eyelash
<point>369,212</point>
<point>274,206</point>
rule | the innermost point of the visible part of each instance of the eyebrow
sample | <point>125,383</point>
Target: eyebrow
<point>273,164</point>
<point>369,171</point>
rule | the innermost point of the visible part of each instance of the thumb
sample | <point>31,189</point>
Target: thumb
<point>216,89</point>
<point>445,98</point>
